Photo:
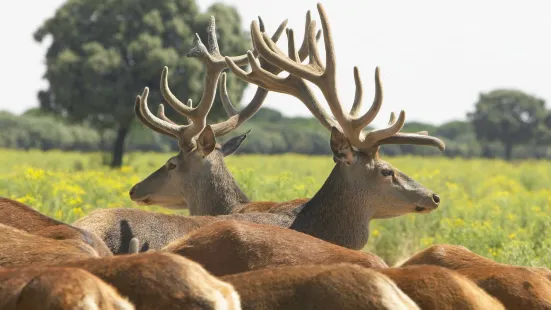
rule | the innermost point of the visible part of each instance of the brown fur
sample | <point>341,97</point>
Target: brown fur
<point>271,207</point>
<point>229,247</point>
<point>57,289</point>
<point>516,287</point>
<point>433,287</point>
<point>161,281</point>
<point>459,257</point>
<point>19,248</point>
<point>23,217</point>
<point>342,286</point>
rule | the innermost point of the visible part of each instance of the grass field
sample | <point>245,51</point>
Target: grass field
<point>497,209</point>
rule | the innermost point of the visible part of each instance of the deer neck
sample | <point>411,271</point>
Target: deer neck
<point>217,195</point>
<point>338,213</point>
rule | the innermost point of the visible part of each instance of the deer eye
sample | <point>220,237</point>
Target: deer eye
<point>387,172</point>
<point>171,166</point>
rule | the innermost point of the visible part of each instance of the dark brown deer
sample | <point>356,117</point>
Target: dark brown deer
<point>19,248</point>
<point>50,288</point>
<point>162,281</point>
<point>23,217</point>
<point>347,286</point>
<point>360,187</point>
<point>515,286</point>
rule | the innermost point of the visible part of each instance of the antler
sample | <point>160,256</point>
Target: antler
<point>323,77</point>
<point>215,63</point>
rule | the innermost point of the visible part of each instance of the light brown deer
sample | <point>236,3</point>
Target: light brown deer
<point>162,281</point>
<point>230,247</point>
<point>23,217</point>
<point>50,288</point>
<point>360,187</point>
<point>19,248</point>
<point>515,286</point>
<point>341,286</point>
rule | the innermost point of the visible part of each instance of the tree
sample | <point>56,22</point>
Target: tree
<point>104,52</point>
<point>508,116</point>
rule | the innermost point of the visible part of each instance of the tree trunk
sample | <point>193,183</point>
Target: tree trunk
<point>118,147</point>
<point>508,150</point>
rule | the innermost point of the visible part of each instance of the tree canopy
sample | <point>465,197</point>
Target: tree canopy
<point>508,116</point>
<point>103,53</point>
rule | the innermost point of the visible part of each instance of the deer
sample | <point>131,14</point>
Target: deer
<point>349,286</point>
<point>159,280</point>
<point>360,187</point>
<point>52,288</point>
<point>516,287</point>
<point>23,217</point>
<point>340,286</point>
<point>19,248</point>
<point>200,181</point>
<point>253,257</point>
<point>246,246</point>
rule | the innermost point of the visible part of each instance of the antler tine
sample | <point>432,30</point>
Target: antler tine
<point>144,121</point>
<point>292,85</point>
<point>154,121</point>
<point>236,118</point>
<point>420,138</point>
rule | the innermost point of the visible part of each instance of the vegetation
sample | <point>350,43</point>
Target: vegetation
<point>104,53</point>
<point>498,209</point>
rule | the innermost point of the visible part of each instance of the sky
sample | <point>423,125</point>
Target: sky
<point>435,56</point>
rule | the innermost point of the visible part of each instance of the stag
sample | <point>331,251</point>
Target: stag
<point>51,288</point>
<point>23,217</point>
<point>360,187</point>
<point>515,286</point>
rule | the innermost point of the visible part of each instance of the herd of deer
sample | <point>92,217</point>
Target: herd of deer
<point>236,254</point>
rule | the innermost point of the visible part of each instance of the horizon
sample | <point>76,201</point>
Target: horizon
<point>433,66</point>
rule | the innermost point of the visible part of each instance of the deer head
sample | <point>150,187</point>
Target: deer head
<point>197,175</point>
<point>360,176</point>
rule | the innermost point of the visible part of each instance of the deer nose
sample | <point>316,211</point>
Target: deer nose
<point>436,198</point>
<point>132,190</point>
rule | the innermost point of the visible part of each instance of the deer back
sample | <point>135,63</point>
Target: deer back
<point>57,289</point>
<point>340,286</point>
<point>23,217</point>
<point>243,246</point>
<point>162,281</point>
<point>19,248</point>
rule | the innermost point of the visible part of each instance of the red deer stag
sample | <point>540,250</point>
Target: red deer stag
<point>23,217</point>
<point>515,286</point>
<point>162,281</point>
<point>360,187</point>
<point>50,288</point>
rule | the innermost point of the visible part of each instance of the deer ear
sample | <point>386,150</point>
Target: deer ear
<point>341,147</point>
<point>233,144</point>
<point>206,141</point>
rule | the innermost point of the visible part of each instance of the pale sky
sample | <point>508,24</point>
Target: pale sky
<point>435,56</point>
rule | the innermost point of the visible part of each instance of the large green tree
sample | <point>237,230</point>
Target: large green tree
<point>508,116</point>
<point>104,52</point>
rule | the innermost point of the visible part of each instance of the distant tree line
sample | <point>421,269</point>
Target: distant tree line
<point>272,133</point>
